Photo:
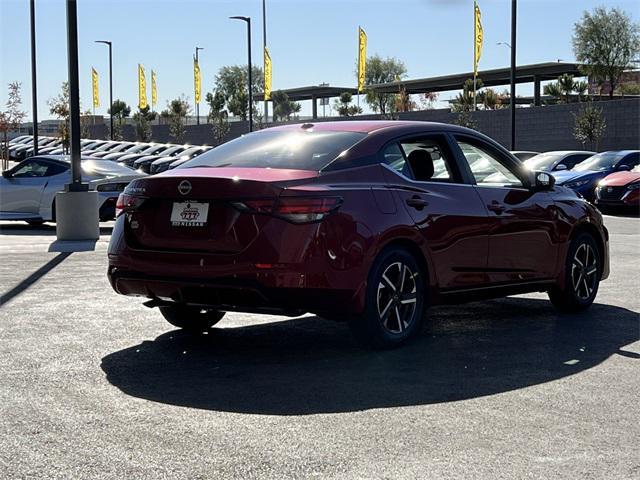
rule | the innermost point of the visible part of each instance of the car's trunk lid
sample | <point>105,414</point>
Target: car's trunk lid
<point>191,209</point>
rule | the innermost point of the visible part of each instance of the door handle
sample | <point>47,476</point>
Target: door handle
<point>496,208</point>
<point>417,202</point>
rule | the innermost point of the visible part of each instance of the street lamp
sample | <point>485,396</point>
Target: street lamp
<point>34,86</point>
<point>198,103</point>
<point>77,206</point>
<point>248,22</point>
<point>504,43</point>
<point>108,43</point>
<point>264,49</point>
<point>513,73</point>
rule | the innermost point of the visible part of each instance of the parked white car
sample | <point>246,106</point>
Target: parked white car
<point>27,191</point>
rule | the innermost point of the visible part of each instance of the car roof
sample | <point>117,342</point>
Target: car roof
<point>621,152</point>
<point>366,126</point>
<point>567,152</point>
<point>62,158</point>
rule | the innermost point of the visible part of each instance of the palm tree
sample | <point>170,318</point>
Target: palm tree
<point>581,88</point>
<point>490,99</point>
<point>567,84</point>
<point>553,90</point>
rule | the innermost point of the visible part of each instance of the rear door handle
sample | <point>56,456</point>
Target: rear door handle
<point>417,202</point>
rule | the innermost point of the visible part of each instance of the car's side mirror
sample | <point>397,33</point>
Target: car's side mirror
<point>543,181</point>
<point>560,166</point>
<point>624,168</point>
<point>6,174</point>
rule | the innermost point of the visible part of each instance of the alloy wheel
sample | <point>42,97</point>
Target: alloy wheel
<point>584,270</point>
<point>397,297</point>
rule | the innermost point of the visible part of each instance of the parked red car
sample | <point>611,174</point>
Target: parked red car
<point>620,189</point>
<point>368,222</point>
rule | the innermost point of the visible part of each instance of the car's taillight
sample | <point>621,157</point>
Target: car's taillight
<point>292,209</point>
<point>127,203</point>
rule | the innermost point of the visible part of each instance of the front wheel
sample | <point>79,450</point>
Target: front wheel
<point>191,319</point>
<point>394,301</point>
<point>583,270</point>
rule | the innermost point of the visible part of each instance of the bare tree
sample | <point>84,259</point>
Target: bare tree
<point>10,119</point>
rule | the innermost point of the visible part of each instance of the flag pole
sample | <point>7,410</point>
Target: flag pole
<point>358,79</point>
<point>475,54</point>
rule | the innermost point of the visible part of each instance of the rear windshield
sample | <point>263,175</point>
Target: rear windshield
<point>303,150</point>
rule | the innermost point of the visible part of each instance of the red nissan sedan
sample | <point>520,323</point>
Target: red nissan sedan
<point>620,189</point>
<point>368,222</point>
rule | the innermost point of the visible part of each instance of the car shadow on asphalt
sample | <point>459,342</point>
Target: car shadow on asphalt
<point>309,365</point>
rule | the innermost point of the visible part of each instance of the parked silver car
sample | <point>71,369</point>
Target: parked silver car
<point>557,160</point>
<point>27,191</point>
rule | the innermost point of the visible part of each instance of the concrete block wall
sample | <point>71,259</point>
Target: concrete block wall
<point>537,128</point>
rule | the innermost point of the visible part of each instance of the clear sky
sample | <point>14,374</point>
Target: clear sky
<point>311,41</point>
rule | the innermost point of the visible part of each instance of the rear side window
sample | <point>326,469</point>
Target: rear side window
<point>304,150</point>
<point>424,159</point>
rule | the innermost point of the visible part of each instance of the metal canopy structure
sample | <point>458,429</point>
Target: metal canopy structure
<point>535,73</point>
<point>313,93</point>
<point>309,93</point>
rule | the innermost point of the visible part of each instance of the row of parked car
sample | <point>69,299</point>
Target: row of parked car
<point>609,179</point>
<point>144,157</point>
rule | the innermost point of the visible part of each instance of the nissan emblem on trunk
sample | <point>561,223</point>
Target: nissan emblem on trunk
<point>184,187</point>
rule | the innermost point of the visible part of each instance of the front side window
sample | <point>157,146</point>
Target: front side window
<point>631,160</point>
<point>487,169</point>
<point>32,168</point>
<point>304,150</point>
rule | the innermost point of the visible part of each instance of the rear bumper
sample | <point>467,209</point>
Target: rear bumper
<point>232,294</point>
<point>278,273</point>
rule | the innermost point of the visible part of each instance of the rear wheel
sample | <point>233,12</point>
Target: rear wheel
<point>189,318</point>
<point>394,301</point>
<point>582,276</point>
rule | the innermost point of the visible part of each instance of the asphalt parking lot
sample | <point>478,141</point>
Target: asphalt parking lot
<point>93,385</point>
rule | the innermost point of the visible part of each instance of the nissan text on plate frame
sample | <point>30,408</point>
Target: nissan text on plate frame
<point>368,222</point>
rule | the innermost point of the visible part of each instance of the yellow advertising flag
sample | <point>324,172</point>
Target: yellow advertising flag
<point>142,88</point>
<point>197,80</point>
<point>478,38</point>
<point>362,58</point>
<point>267,74</point>
<point>154,89</point>
<point>96,93</point>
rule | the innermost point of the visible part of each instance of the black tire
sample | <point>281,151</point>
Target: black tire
<point>390,318</point>
<point>583,270</point>
<point>191,319</point>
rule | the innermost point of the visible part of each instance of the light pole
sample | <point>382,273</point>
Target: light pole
<point>76,207</point>
<point>513,73</point>
<point>248,22</point>
<point>197,103</point>
<point>74,99</point>
<point>108,43</point>
<point>264,49</point>
<point>34,84</point>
